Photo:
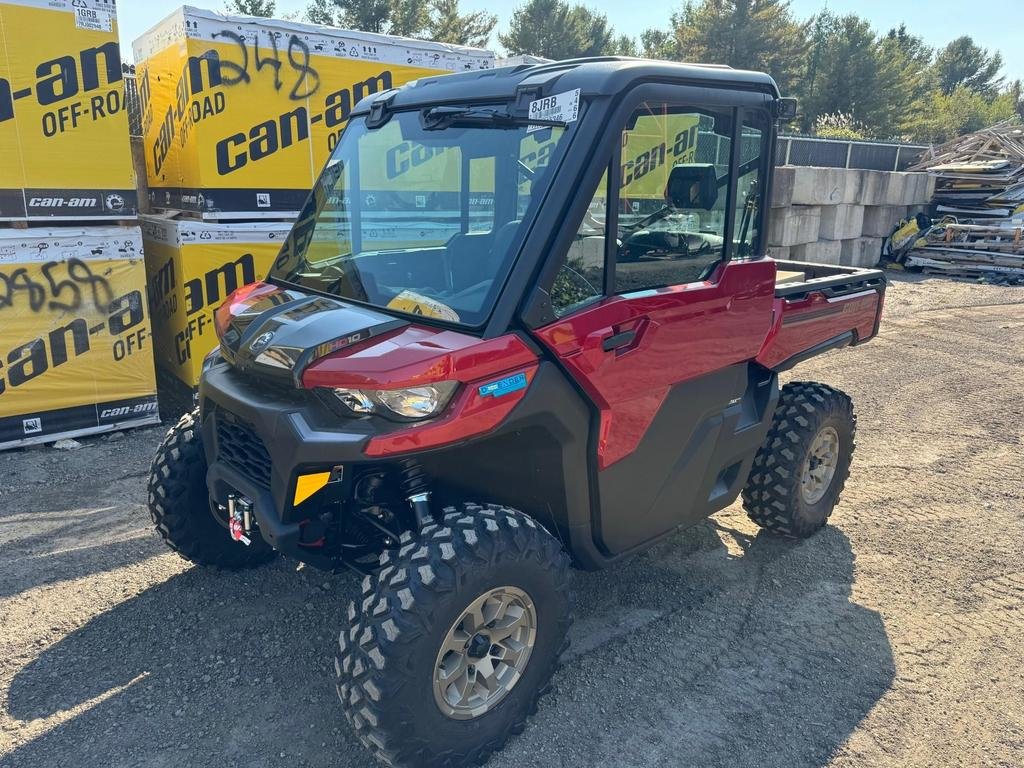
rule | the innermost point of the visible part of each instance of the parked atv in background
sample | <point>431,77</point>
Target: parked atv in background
<point>467,372</point>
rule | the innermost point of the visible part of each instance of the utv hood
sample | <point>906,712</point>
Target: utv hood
<point>279,331</point>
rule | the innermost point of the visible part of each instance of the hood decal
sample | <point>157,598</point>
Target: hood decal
<point>281,331</point>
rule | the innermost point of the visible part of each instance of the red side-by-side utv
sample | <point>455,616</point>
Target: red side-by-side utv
<point>525,321</point>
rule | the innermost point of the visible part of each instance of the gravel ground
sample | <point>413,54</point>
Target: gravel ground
<point>893,637</point>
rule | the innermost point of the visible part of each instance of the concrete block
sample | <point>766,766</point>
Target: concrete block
<point>872,190</point>
<point>794,225</point>
<point>920,189</point>
<point>853,186</point>
<point>880,220</point>
<point>821,252</point>
<point>899,188</point>
<point>818,186</point>
<point>860,251</point>
<point>841,222</point>
<point>779,252</point>
<point>782,187</point>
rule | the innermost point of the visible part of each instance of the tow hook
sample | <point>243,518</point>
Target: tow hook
<point>240,518</point>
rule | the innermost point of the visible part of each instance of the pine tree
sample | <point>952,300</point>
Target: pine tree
<point>447,25</point>
<point>263,8</point>
<point>746,34</point>
<point>964,63</point>
<point>843,73</point>
<point>408,18</point>
<point>362,15</point>
<point>321,12</point>
<point>555,30</point>
<point>623,45</point>
<point>905,75</point>
<point>659,44</point>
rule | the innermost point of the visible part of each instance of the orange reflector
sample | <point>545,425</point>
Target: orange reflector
<point>307,485</point>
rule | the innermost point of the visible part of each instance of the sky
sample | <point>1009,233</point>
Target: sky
<point>937,21</point>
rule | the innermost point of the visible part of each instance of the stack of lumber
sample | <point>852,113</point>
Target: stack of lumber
<point>980,175</point>
<point>993,250</point>
<point>979,195</point>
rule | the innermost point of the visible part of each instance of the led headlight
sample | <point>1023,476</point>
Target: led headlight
<point>412,403</point>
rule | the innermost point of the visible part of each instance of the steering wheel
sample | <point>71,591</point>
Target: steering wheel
<point>343,274</point>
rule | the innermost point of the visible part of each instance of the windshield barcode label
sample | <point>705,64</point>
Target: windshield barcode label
<point>564,107</point>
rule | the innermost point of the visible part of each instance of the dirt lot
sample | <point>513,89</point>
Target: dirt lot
<point>894,637</point>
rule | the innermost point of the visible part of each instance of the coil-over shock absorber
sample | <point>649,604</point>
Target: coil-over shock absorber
<point>413,481</point>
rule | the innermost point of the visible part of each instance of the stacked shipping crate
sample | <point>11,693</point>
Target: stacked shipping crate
<point>840,215</point>
<point>239,116</point>
<point>75,352</point>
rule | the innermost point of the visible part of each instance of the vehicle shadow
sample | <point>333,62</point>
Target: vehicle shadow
<point>742,650</point>
<point>74,543</point>
<point>715,648</point>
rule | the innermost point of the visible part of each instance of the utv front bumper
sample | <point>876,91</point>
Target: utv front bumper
<point>260,438</point>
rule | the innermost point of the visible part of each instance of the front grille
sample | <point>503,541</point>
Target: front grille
<point>240,448</point>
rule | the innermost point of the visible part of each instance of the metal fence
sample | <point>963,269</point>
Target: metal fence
<point>835,153</point>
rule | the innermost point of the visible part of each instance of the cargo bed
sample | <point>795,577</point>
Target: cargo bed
<point>819,307</point>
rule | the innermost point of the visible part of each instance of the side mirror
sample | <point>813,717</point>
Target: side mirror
<point>785,109</point>
<point>692,185</point>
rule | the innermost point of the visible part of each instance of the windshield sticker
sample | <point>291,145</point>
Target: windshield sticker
<point>564,107</point>
<point>418,304</point>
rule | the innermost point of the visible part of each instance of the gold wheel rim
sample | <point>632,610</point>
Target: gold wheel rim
<point>485,653</point>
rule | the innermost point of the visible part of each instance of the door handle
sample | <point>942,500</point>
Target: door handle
<point>618,340</point>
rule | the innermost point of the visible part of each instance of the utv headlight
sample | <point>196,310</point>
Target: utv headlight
<point>412,403</point>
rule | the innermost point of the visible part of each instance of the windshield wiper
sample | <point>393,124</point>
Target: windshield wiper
<point>437,118</point>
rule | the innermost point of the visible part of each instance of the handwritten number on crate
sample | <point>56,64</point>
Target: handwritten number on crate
<point>58,287</point>
<point>306,72</point>
<point>80,272</point>
<point>307,80</point>
<point>61,294</point>
<point>274,62</point>
<point>241,71</point>
<point>19,281</point>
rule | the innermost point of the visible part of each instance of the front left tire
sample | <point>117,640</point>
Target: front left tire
<point>455,638</point>
<point>180,506</point>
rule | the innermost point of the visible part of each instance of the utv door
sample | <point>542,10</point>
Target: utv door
<point>663,351</point>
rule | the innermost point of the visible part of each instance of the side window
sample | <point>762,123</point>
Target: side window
<point>673,195</point>
<point>748,188</point>
<point>581,277</point>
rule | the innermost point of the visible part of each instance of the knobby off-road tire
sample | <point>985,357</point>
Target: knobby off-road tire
<point>388,656</point>
<point>179,504</point>
<point>808,416</point>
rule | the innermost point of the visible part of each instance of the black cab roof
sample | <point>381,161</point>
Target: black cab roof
<point>600,76</point>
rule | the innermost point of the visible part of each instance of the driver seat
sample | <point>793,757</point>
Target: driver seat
<point>492,263</point>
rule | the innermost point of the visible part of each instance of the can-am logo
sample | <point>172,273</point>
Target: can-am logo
<point>63,202</point>
<point>261,342</point>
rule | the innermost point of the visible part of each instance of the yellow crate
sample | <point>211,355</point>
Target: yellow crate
<point>75,354</point>
<point>191,268</point>
<point>64,149</point>
<point>240,114</point>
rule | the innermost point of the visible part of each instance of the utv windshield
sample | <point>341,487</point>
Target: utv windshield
<point>423,214</point>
